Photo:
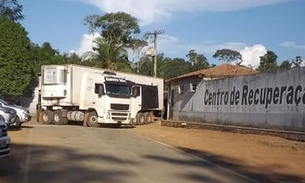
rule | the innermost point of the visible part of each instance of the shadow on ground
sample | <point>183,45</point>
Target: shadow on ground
<point>19,129</point>
<point>226,166</point>
<point>63,164</point>
<point>56,164</point>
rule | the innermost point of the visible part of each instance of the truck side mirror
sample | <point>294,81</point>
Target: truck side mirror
<point>99,89</point>
<point>135,91</point>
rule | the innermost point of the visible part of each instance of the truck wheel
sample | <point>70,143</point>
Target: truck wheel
<point>148,118</point>
<point>91,119</point>
<point>58,119</point>
<point>47,117</point>
<point>140,118</point>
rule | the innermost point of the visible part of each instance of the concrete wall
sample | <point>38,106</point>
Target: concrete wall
<point>269,100</point>
<point>31,102</point>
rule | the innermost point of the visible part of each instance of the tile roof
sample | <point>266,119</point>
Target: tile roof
<point>221,71</point>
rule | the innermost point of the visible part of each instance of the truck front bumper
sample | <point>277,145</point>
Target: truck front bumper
<point>115,118</point>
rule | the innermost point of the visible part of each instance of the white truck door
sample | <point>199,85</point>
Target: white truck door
<point>136,100</point>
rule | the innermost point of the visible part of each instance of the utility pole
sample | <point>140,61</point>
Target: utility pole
<point>155,54</point>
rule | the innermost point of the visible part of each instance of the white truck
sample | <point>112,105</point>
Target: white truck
<point>97,96</point>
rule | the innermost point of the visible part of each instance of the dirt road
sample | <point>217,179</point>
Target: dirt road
<point>258,157</point>
<point>278,159</point>
<point>70,153</point>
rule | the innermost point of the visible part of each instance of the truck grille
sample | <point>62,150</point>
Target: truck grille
<point>119,116</point>
<point>3,130</point>
<point>122,107</point>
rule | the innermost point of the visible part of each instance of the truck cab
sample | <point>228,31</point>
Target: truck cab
<point>110,99</point>
<point>78,93</point>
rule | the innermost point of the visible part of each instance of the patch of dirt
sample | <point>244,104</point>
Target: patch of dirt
<point>260,153</point>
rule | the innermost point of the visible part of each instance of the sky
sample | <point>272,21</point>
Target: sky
<point>249,26</point>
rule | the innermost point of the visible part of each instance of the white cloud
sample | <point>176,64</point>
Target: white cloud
<point>173,47</point>
<point>86,43</point>
<point>292,45</point>
<point>251,55</point>
<point>150,11</point>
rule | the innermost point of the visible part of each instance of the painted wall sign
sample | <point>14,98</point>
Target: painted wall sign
<point>292,95</point>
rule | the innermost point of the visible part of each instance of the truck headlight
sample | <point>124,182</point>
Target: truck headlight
<point>108,115</point>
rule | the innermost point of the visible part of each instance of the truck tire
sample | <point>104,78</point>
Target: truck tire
<point>58,119</point>
<point>148,117</point>
<point>140,118</point>
<point>91,119</point>
<point>47,117</point>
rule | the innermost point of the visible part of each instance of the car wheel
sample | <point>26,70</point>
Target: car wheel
<point>18,123</point>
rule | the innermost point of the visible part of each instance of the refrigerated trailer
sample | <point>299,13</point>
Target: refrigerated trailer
<point>147,95</point>
<point>97,96</point>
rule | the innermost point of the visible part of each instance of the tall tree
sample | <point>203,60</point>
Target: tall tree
<point>107,55</point>
<point>198,61</point>
<point>16,69</point>
<point>45,54</point>
<point>228,55</point>
<point>72,58</point>
<point>268,62</point>
<point>146,67</point>
<point>118,33</point>
<point>174,67</point>
<point>11,9</point>
<point>285,64</point>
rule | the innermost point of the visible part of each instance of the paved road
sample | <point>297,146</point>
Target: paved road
<point>67,154</point>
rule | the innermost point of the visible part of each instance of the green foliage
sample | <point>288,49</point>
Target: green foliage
<point>72,58</point>
<point>145,66</point>
<point>11,9</point>
<point>118,33</point>
<point>268,62</point>
<point>198,61</point>
<point>109,55</point>
<point>228,55</point>
<point>174,67</point>
<point>16,70</point>
<point>114,27</point>
<point>45,54</point>
<point>285,64</point>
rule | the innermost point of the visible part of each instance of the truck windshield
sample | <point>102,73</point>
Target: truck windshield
<point>117,90</point>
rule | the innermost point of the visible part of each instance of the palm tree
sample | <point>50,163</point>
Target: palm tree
<point>107,55</point>
<point>11,9</point>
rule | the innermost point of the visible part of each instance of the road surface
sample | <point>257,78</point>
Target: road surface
<point>63,154</point>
